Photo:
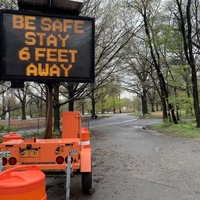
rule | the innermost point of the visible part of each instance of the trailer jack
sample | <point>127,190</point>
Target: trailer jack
<point>68,176</point>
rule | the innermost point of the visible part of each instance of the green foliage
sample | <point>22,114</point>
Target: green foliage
<point>9,129</point>
<point>178,75</point>
<point>183,102</point>
<point>178,81</point>
<point>188,130</point>
<point>1,127</point>
<point>6,129</point>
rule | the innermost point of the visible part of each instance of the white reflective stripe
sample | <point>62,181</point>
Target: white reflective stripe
<point>85,143</point>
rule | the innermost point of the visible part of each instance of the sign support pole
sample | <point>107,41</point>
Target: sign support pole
<point>49,110</point>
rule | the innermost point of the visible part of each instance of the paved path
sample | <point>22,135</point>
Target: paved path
<point>133,163</point>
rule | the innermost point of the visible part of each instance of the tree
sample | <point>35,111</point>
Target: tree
<point>153,98</point>
<point>149,12</point>
<point>9,4</point>
<point>189,28</point>
<point>22,96</point>
<point>138,78</point>
<point>113,33</point>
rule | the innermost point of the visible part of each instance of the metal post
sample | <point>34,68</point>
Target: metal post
<point>68,176</point>
<point>49,110</point>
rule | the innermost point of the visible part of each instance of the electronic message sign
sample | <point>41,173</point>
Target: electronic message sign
<point>46,48</point>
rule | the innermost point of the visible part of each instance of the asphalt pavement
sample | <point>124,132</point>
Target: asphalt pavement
<point>135,163</point>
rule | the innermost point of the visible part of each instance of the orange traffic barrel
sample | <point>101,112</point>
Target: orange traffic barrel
<point>23,183</point>
<point>85,138</point>
<point>11,136</point>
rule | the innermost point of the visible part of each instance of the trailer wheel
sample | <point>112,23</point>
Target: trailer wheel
<point>86,182</point>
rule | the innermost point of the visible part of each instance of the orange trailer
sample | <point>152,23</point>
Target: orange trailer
<point>70,153</point>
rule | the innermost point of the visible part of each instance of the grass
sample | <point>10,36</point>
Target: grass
<point>186,128</point>
<point>136,114</point>
<point>183,129</point>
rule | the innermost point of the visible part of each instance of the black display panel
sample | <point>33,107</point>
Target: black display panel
<point>46,48</point>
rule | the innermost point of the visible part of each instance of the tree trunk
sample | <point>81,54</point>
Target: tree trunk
<point>187,35</point>
<point>188,89</point>
<point>152,106</point>
<point>71,96</point>
<point>30,110</point>
<point>177,115</point>
<point>40,105</point>
<point>71,105</point>
<point>4,108</point>
<point>114,108</point>
<point>120,109</point>
<point>56,125</point>
<point>93,112</point>
<point>23,111</point>
<point>82,108</point>
<point>164,108</point>
<point>144,102</point>
<point>193,66</point>
<point>157,106</point>
<point>195,97</point>
<point>151,98</point>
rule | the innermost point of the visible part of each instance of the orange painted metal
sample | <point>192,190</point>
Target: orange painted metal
<point>85,157</point>
<point>11,136</point>
<point>85,137</point>
<point>22,182</point>
<point>51,154</point>
<point>71,124</point>
<point>47,152</point>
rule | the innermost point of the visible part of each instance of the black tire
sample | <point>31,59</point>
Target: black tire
<point>87,182</point>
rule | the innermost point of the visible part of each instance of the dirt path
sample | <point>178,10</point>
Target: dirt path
<point>25,124</point>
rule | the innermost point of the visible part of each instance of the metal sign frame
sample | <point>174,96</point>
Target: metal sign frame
<point>61,52</point>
